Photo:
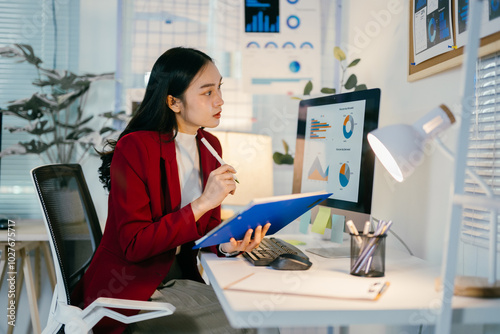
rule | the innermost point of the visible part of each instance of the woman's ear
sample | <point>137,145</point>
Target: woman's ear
<point>174,103</point>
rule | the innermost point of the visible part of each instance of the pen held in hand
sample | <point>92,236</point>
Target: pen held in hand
<point>216,155</point>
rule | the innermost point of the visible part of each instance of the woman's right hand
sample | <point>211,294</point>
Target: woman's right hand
<point>220,183</point>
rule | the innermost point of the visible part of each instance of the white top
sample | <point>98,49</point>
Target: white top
<point>188,163</point>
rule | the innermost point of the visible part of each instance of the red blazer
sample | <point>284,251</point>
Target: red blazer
<point>145,224</point>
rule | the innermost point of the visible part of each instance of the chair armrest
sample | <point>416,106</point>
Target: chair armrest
<point>130,304</point>
<point>100,308</point>
<point>79,321</point>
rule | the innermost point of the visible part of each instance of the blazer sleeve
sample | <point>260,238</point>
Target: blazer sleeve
<point>141,236</point>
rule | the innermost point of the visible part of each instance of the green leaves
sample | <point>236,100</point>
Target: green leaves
<point>29,108</point>
<point>76,125</point>
<point>23,51</point>
<point>113,115</point>
<point>308,88</point>
<point>285,145</point>
<point>354,62</point>
<point>35,147</point>
<point>326,90</point>
<point>283,159</point>
<point>79,133</point>
<point>54,113</point>
<point>352,81</point>
<point>338,54</point>
<point>35,128</point>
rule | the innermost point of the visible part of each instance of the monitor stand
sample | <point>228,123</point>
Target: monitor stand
<point>331,252</point>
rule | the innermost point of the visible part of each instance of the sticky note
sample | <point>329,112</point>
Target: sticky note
<point>295,242</point>
<point>323,219</point>
<point>305,219</point>
<point>338,223</point>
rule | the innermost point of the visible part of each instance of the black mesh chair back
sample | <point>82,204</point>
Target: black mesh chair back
<point>71,219</point>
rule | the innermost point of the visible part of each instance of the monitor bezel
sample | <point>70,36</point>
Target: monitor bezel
<point>372,108</point>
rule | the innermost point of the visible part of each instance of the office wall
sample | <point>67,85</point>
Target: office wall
<point>378,34</point>
<point>98,40</point>
<point>419,207</point>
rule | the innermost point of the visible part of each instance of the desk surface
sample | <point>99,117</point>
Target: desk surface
<point>27,230</point>
<point>411,298</point>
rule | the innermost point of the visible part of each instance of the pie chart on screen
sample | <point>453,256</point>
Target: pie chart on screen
<point>344,175</point>
<point>348,126</point>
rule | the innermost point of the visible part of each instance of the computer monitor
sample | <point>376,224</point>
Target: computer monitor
<point>333,154</point>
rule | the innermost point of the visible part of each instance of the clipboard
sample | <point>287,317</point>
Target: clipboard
<point>277,210</point>
<point>318,285</point>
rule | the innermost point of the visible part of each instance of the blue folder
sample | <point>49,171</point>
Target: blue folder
<point>277,210</point>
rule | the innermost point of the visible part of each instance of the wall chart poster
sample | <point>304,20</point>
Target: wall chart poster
<point>490,19</point>
<point>281,46</point>
<point>432,28</point>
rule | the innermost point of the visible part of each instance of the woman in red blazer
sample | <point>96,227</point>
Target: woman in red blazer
<point>149,235</point>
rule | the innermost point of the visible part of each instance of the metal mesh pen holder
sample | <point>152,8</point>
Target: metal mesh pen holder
<point>368,255</point>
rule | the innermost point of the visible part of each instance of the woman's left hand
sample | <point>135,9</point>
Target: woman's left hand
<point>247,244</point>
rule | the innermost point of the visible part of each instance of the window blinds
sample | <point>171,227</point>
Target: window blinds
<point>484,150</point>
<point>30,22</point>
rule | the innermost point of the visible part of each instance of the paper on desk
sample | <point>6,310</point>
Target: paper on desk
<point>317,284</point>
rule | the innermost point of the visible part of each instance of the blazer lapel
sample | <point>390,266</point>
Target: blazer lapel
<point>206,159</point>
<point>172,193</point>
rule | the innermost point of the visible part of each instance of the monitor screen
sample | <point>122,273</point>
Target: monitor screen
<point>333,154</point>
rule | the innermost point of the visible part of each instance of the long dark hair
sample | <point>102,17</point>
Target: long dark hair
<point>172,73</point>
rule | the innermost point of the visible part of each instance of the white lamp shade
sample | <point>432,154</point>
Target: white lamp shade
<point>251,155</point>
<point>394,146</point>
<point>399,147</point>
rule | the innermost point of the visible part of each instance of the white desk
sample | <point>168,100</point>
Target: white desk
<point>411,298</point>
<point>28,235</point>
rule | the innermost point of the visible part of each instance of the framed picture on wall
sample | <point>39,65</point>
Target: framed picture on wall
<point>428,23</point>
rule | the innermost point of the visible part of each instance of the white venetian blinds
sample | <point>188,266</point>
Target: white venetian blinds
<point>484,150</point>
<point>30,22</point>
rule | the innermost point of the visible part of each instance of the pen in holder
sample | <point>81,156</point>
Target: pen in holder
<point>368,255</point>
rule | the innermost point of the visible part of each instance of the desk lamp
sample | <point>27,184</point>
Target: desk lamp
<point>397,146</point>
<point>394,144</point>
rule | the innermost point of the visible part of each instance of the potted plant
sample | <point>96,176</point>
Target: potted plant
<point>352,80</point>
<point>59,131</point>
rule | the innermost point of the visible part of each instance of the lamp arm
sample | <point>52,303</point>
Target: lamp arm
<point>469,171</point>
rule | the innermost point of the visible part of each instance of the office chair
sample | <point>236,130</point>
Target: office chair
<point>75,233</point>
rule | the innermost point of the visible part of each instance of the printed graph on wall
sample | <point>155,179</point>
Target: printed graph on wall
<point>432,29</point>
<point>490,22</point>
<point>281,46</point>
<point>262,16</point>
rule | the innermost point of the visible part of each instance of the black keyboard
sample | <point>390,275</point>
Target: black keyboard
<point>269,249</point>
